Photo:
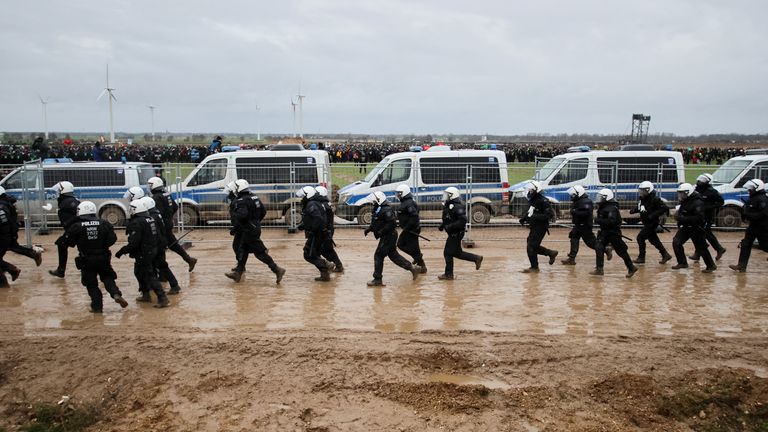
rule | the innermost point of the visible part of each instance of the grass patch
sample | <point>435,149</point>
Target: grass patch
<point>62,418</point>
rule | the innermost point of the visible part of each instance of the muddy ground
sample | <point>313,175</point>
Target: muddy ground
<point>492,350</point>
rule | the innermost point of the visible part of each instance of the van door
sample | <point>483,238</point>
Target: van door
<point>206,188</point>
<point>393,175</point>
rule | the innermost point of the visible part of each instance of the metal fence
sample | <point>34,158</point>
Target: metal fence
<point>492,192</point>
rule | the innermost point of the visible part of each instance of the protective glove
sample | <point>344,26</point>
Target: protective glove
<point>300,227</point>
<point>531,209</point>
<point>367,231</point>
<point>642,209</point>
<point>441,227</point>
<point>232,232</point>
<point>523,220</point>
<point>119,254</point>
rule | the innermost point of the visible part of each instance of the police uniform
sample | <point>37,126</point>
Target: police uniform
<point>9,235</point>
<point>160,263</point>
<point>247,211</point>
<point>167,208</point>
<point>581,217</point>
<point>143,234</point>
<point>93,238</point>
<point>408,219</point>
<point>755,212</point>
<point>651,209</point>
<point>454,222</point>
<point>609,220</point>
<point>538,216</point>
<point>690,223</point>
<point>383,227</point>
<point>712,203</point>
<point>67,214</point>
<point>327,249</point>
<point>313,222</point>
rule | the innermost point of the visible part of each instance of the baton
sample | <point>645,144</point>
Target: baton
<point>419,236</point>
<point>179,239</point>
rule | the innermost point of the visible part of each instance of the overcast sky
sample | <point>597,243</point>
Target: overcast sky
<point>411,66</point>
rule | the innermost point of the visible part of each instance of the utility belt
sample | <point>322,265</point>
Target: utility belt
<point>86,260</point>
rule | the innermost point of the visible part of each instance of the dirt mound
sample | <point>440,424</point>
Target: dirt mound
<point>436,396</point>
<point>443,359</point>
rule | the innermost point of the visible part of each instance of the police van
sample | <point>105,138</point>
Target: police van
<point>104,183</point>
<point>274,175</point>
<point>428,173</point>
<point>621,171</point>
<point>729,180</point>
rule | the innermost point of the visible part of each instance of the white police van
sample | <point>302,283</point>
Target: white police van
<point>729,180</point>
<point>274,175</point>
<point>428,173</point>
<point>104,183</point>
<point>621,171</point>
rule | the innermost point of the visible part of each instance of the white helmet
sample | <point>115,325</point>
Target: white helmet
<point>754,185</point>
<point>378,197</point>
<point>533,187</point>
<point>64,187</point>
<point>576,191</point>
<point>646,186</point>
<point>450,193</point>
<point>684,191</point>
<point>322,191</point>
<point>403,191</point>
<point>86,208</point>
<point>149,202</point>
<point>241,185</point>
<point>306,192</point>
<point>604,195</point>
<point>134,193</point>
<point>230,187</point>
<point>138,206</point>
<point>704,178</point>
<point>155,183</point>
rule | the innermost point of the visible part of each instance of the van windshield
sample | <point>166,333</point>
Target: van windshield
<point>551,166</point>
<point>374,172</point>
<point>729,170</point>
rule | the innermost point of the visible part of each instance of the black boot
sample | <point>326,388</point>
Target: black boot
<point>235,275</point>
<point>162,302</point>
<point>121,301</point>
<point>279,273</point>
<point>59,273</point>
<point>144,298</point>
<point>478,262</point>
<point>14,272</point>
<point>598,271</point>
<point>174,290</point>
<point>192,262</point>
<point>639,260</point>
<point>568,261</point>
<point>665,256</point>
<point>375,283</point>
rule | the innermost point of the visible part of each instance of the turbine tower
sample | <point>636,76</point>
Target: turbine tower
<point>108,90</point>
<point>293,108</point>
<point>44,103</point>
<point>152,115</point>
<point>300,97</point>
<point>258,125</point>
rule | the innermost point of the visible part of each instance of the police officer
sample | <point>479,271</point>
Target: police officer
<point>328,249</point>
<point>93,237</point>
<point>408,219</point>
<point>690,223</point>
<point>247,211</point>
<point>143,233</point>
<point>313,223</point>
<point>67,214</point>
<point>537,217</point>
<point>9,238</point>
<point>756,213</point>
<point>384,228</point>
<point>168,207</point>
<point>609,220</point>
<point>454,223</point>
<point>160,263</point>
<point>712,203</point>
<point>581,218</point>
<point>230,188</point>
<point>652,209</point>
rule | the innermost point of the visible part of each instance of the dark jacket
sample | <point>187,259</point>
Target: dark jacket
<point>67,209</point>
<point>98,153</point>
<point>581,211</point>
<point>712,200</point>
<point>756,211</point>
<point>143,234</point>
<point>655,209</point>
<point>167,208</point>
<point>383,220</point>
<point>608,217</point>
<point>91,235</point>
<point>408,215</point>
<point>9,219</point>
<point>454,217</point>
<point>313,218</point>
<point>162,240</point>
<point>691,212</point>
<point>247,213</point>
<point>542,212</point>
<point>328,214</point>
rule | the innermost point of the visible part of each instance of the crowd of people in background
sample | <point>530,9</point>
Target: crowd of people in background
<point>359,153</point>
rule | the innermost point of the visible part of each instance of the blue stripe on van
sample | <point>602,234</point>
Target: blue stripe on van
<point>491,191</point>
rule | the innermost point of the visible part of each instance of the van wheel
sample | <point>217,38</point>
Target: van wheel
<point>114,215</point>
<point>480,214</point>
<point>365,215</point>
<point>729,217</point>
<point>293,214</point>
<point>189,216</point>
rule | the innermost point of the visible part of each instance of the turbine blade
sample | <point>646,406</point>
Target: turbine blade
<point>101,95</point>
<point>112,96</point>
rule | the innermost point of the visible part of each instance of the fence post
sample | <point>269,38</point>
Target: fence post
<point>43,230</point>
<point>292,199</point>
<point>467,241</point>
<point>26,206</point>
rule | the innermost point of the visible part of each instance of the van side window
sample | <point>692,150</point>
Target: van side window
<point>635,170</point>
<point>573,170</point>
<point>81,177</point>
<point>277,170</point>
<point>212,171</point>
<point>453,170</point>
<point>760,170</point>
<point>397,171</point>
<point>16,182</point>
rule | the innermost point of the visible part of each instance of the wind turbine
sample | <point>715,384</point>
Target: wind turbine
<point>300,98</point>
<point>258,126</point>
<point>152,115</point>
<point>44,103</point>
<point>110,98</point>
<point>293,107</point>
